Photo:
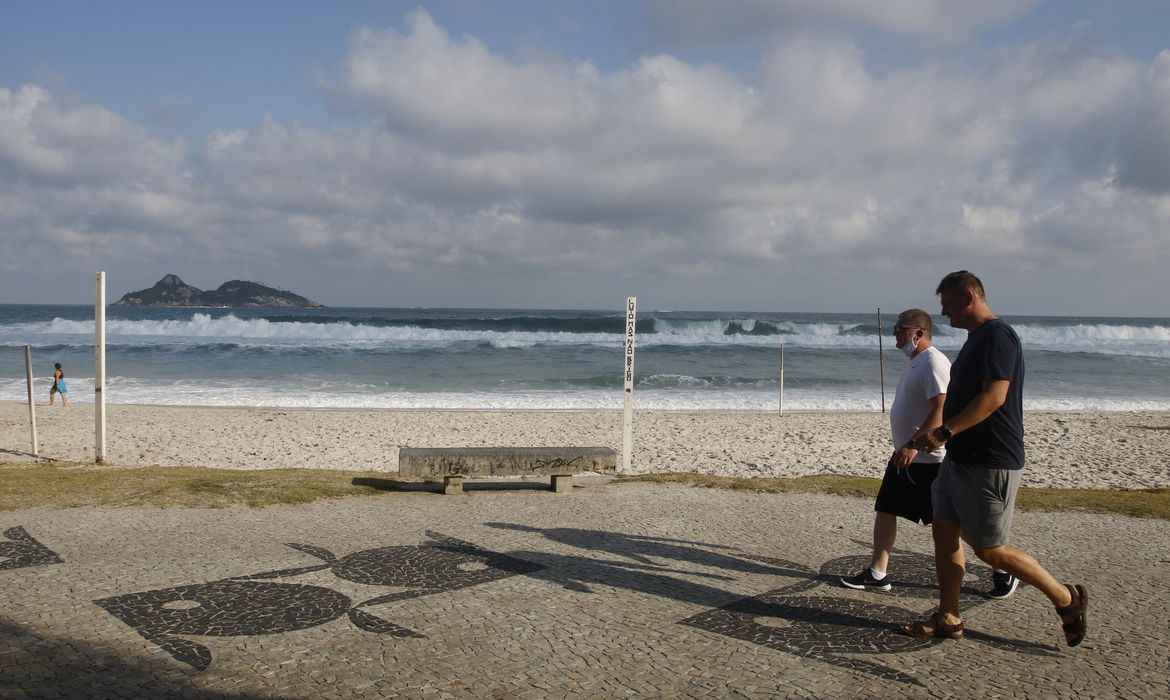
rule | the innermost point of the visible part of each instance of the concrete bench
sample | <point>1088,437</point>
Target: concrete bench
<point>456,463</point>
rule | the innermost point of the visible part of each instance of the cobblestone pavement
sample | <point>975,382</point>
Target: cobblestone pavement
<point>616,590</point>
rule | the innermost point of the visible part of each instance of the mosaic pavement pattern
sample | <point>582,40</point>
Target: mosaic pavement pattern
<point>250,605</point>
<point>829,629</point>
<point>622,591</point>
<point>20,550</point>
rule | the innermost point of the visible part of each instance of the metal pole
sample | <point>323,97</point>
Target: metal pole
<point>881,359</point>
<point>781,378</point>
<point>32,410</point>
<point>628,417</point>
<point>99,398</point>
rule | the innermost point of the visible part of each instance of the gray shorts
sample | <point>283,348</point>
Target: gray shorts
<point>980,499</point>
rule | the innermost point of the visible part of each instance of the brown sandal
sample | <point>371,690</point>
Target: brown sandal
<point>934,627</point>
<point>1072,616</point>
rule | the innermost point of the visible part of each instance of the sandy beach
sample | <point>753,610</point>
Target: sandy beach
<point>1065,450</point>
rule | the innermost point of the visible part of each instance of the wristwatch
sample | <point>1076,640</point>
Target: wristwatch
<point>944,432</point>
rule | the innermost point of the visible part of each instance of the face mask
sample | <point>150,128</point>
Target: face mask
<point>909,348</point>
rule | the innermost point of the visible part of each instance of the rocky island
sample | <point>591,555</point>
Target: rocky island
<point>172,291</point>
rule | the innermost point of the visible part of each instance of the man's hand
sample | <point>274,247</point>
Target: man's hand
<point>903,457</point>
<point>927,439</point>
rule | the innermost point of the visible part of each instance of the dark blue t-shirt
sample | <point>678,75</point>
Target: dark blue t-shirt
<point>992,351</point>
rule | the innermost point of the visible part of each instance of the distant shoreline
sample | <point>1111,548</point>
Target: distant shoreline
<point>615,310</point>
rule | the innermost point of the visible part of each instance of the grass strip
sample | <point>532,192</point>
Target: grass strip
<point>1137,503</point>
<point>63,485</point>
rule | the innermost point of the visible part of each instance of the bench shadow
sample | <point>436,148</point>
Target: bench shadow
<point>400,485</point>
<point>396,484</point>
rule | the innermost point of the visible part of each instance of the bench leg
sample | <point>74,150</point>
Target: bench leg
<point>452,485</point>
<point>562,483</point>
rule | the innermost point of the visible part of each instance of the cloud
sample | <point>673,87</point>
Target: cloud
<point>464,175</point>
<point>937,20</point>
<point>1145,141</point>
<point>44,139</point>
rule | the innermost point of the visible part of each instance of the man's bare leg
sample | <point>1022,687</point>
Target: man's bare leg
<point>1020,564</point>
<point>885,532</point>
<point>950,565</point>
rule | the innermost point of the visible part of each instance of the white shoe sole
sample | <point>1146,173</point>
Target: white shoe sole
<point>863,587</point>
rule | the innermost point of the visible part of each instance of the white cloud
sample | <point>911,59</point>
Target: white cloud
<point>940,20</point>
<point>469,167</point>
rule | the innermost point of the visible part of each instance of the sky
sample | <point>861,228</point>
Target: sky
<point>776,155</point>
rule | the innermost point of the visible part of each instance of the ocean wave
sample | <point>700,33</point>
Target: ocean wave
<point>232,332</point>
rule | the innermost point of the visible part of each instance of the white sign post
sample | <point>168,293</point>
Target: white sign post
<point>99,369</point>
<point>881,359</point>
<point>781,378</point>
<point>628,420</point>
<point>32,410</point>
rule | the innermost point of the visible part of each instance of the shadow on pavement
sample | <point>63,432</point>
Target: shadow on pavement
<point>435,487</point>
<point>641,548</point>
<point>40,666</point>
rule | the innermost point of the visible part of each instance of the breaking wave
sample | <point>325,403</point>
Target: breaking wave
<point>295,332</point>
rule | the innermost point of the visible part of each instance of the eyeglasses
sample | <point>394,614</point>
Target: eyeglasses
<point>899,328</point>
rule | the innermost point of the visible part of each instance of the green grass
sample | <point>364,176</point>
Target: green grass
<point>60,485</point>
<point>1140,503</point>
<point>63,485</point>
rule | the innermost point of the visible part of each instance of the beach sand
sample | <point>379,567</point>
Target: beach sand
<point>1065,450</point>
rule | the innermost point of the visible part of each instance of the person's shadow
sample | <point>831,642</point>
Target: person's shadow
<point>644,550</point>
<point>833,629</point>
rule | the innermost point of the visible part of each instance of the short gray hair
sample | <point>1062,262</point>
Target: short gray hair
<point>917,318</point>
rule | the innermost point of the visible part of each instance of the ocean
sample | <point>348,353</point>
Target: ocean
<point>534,358</point>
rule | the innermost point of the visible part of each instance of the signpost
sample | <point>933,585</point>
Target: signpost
<point>881,359</point>
<point>628,419</point>
<point>32,410</point>
<point>99,368</point>
<point>781,377</point>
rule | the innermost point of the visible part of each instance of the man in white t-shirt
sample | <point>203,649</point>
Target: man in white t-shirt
<point>918,403</point>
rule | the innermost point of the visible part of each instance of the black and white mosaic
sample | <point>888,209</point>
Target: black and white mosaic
<point>21,550</point>
<point>834,628</point>
<point>255,605</point>
<point>913,576</point>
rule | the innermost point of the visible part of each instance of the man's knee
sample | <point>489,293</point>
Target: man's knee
<point>993,556</point>
<point>945,531</point>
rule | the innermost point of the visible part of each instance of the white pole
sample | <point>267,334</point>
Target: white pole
<point>781,378</point>
<point>99,398</point>
<point>628,419</point>
<point>881,359</point>
<point>32,410</point>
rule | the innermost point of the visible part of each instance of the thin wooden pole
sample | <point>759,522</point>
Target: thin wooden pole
<point>782,378</point>
<point>881,359</point>
<point>32,406</point>
<point>99,397</point>
<point>628,416</point>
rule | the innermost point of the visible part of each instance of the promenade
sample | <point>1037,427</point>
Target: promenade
<point>617,590</point>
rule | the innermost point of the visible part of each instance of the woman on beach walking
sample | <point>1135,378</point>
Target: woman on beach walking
<point>59,386</point>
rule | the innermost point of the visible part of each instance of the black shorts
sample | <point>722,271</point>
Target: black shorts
<point>906,492</point>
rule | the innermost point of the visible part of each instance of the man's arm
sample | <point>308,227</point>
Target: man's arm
<point>976,411</point>
<point>934,419</point>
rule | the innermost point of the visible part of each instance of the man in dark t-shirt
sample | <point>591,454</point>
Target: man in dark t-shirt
<point>992,352</point>
<point>975,491</point>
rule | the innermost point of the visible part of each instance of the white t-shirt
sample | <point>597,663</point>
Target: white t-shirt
<point>926,377</point>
